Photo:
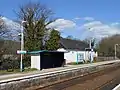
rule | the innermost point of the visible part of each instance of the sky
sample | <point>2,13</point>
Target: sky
<point>79,18</point>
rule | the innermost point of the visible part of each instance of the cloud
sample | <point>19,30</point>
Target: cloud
<point>97,29</point>
<point>91,25</point>
<point>11,24</point>
<point>88,18</point>
<point>12,28</point>
<point>93,28</point>
<point>62,24</point>
<point>77,18</point>
<point>84,18</point>
<point>116,23</point>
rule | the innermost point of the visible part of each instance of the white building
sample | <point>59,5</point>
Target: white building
<point>75,51</point>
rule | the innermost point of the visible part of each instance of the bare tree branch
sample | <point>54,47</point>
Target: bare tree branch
<point>2,27</point>
<point>38,17</point>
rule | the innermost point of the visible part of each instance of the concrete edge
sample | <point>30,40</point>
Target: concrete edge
<point>117,87</point>
<point>50,73</point>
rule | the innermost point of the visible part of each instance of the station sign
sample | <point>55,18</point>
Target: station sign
<point>21,52</point>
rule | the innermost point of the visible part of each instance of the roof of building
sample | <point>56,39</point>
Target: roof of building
<point>73,44</point>
<point>42,51</point>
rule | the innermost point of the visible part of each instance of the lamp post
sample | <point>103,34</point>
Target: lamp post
<point>22,45</point>
<point>115,47</point>
<point>91,48</point>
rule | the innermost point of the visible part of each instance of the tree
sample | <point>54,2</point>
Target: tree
<point>2,32</point>
<point>106,46</point>
<point>87,40</point>
<point>37,18</point>
<point>53,42</point>
<point>1,23</point>
<point>69,37</point>
<point>93,42</point>
<point>2,27</point>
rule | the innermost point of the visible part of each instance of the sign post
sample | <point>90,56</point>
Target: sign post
<point>21,52</point>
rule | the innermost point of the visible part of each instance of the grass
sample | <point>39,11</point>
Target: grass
<point>30,69</point>
<point>75,63</point>
<point>10,71</point>
<point>85,62</point>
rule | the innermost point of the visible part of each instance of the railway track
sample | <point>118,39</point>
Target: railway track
<point>102,80</point>
<point>109,85</point>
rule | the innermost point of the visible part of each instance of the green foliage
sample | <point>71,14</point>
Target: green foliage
<point>26,61</point>
<point>17,71</point>
<point>12,64</point>
<point>30,69</point>
<point>53,42</point>
<point>8,64</point>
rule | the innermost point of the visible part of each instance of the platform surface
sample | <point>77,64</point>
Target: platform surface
<point>51,70</point>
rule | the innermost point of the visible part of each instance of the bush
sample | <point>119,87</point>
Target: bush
<point>27,61</point>
<point>9,65</point>
<point>95,59</point>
